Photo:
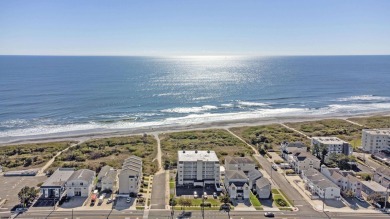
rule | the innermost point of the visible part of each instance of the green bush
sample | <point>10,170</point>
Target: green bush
<point>281,202</point>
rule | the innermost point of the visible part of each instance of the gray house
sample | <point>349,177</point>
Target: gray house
<point>263,188</point>
<point>253,176</point>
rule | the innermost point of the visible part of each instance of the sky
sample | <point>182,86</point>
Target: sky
<point>212,27</point>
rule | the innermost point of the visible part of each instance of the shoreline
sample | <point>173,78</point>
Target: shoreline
<point>80,136</point>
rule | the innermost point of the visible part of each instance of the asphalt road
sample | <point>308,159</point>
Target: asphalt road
<point>291,193</point>
<point>158,191</point>
<point>160,214</point>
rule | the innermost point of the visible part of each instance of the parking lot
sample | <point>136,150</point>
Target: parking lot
<point>11,185</point>
<point>188,191</point>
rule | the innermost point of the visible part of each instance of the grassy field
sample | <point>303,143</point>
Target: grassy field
<point>373,122</point>
<point>220,141</point>
<point>110,151</point>
<point>255,202</point>
<point>271,135</point>
<point>27,156</point>
<point>330,127</point>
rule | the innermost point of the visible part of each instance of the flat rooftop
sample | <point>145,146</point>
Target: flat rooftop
<point>59,177</point>
<point>376,187</point>
<point>197,155</point>
<point>377,131</point>
<point>329,140</point>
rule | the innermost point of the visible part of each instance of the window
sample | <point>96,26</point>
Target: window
<point>81,184</point>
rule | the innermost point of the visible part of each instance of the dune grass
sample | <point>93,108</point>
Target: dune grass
<point>373,121</point>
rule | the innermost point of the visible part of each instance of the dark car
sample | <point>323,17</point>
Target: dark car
<point>269,214</point>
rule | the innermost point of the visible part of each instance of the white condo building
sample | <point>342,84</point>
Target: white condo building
<point>334,145</point>
<point>198,168</point>
<point>376,140</point>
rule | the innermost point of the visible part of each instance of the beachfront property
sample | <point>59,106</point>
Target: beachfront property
<point>288,148</point>
<point>245,164</point>
<point>80,183</point>
<point>319,185</point>
<point>106,179</point>
<point>376,140</point>
<point>130,176</point>
<point>263,188</point>
<point>198,168</point>
<point>345,180</point>
<point>333,144</point>
<point>303,160</point>
<point>54,186</point>
<point>382,176</point>
<point>237,184</point>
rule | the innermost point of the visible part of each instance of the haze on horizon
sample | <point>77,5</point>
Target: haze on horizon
<point>96,27</point>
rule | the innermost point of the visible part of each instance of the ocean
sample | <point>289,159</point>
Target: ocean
<point>54,95</point>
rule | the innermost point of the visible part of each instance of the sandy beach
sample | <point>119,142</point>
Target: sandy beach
<point>96,134</point>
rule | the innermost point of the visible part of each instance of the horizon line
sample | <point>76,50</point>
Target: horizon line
<point>205,55</point>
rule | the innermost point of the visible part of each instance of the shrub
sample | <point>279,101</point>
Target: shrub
<point>278,161</point>
<point>206,204</point>
<point>281,202</point>
<point>290,172</point>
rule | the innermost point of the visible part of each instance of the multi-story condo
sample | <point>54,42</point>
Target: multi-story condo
<point>197,168</point>
<point>130,176</point>
<point>80,183</point>
<point>333,144</point>
<point>303,161</point>
<point>376,140</point>
<point>245,164</point>
<point>346,180</point>
<point>319,185</point>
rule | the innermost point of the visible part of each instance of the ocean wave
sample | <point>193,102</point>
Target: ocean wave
<point>201,98</point>
<point>190,109</point>
<point>167,94</point>
<point>197,118</point>
<point>247,103</point>
<point>363,98</point>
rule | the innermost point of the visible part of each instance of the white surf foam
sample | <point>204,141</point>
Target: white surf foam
<point>247,103</point>
<point>190,109</point>
<point>363,98</point>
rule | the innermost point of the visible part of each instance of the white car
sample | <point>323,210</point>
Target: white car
<point>128,200</point>
<point>205,195</point>
<point>195,194</point>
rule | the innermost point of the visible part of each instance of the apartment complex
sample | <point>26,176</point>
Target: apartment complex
<point>303,161</point>
<point>320,185</point>
<point>376,140</point>
<point>333,144</point>
<point>197,168</point>
<point>130,176</point>
<point>346,180</point>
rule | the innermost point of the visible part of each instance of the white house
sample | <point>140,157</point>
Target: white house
<point>303,160</point>
<point>54,186</point>
<point>237,184</point>
<point>263,188</point>
<point>375,140</point>
<point>319,185</point>
<point>80,183</point>
<point>346,180</point>
<point>245,164</point>
<point>130,176</point>
<point>288,148</point>
<point>333,144</point>
<point>198,168</point>
<point>103,172</point>
<point>371,187</point>
<point>382,176</point>
<point>108,182</point>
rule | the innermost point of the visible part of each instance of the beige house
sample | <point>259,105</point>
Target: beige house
<point>80,183</point>
<point>245,164</point>
<point>130,175</point>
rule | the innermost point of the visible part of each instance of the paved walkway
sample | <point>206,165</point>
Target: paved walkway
<point>158,157</point>
<point>355,123</point>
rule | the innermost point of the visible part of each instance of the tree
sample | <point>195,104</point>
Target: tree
<point>316,150</point>
<point>349,193</point>
<point>27,162</point>
<point>225,199</point>
<point>27,195</point>
<point>324,152</point>
<point>185,202</point>
<point>376,197</point>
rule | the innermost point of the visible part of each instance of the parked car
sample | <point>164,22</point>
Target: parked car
<point>360,198</point>
<point>269,214</point>
<point>215,195</point>
<point>109,201</point>
<point>195,194</point>
<point>205,195</point>
<point>274,166</point>
<point>128,200</point>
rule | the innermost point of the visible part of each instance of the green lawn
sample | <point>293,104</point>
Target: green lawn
<point>172,184</point>
<point>255,202</point>
<point>275,196</point>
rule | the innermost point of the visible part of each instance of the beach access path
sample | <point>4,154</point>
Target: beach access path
<point>50,162</point>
